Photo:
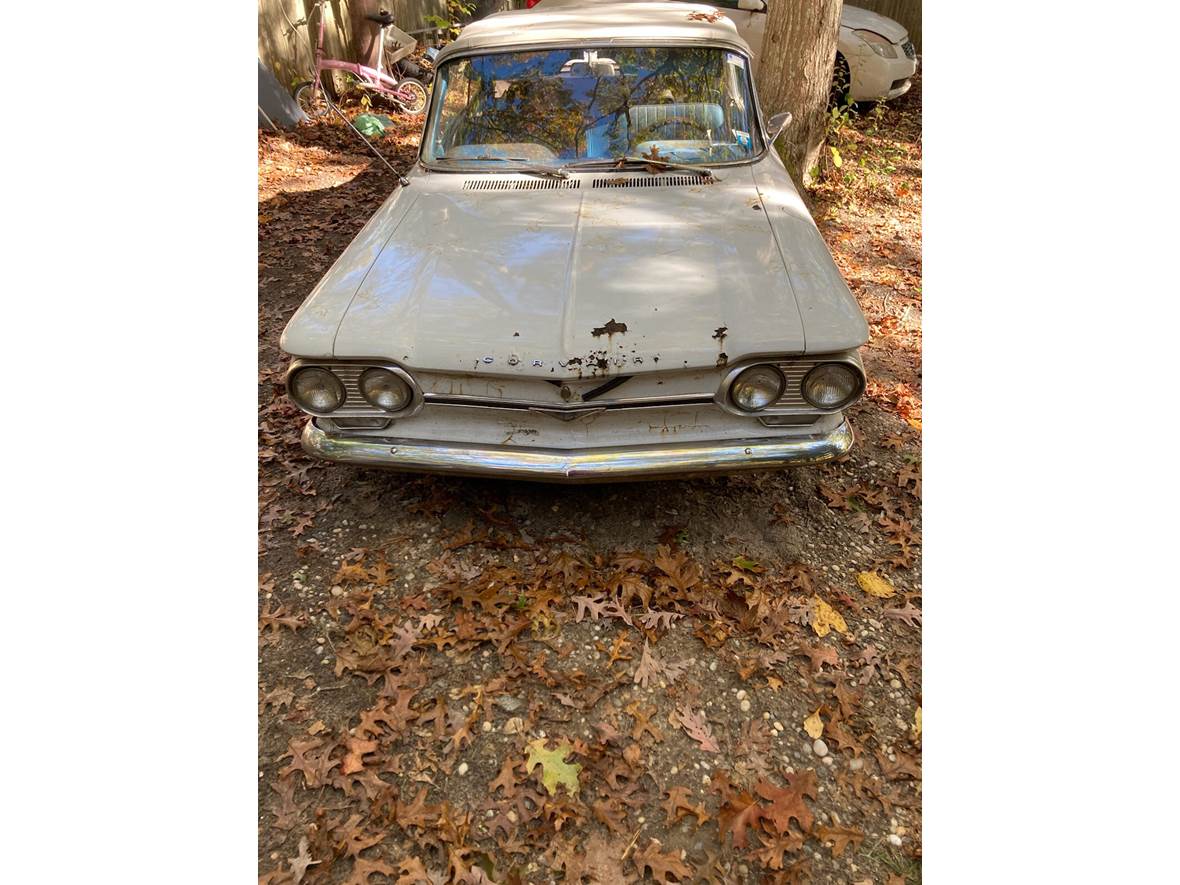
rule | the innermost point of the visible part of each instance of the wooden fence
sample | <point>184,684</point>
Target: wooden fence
<point>286,39</point>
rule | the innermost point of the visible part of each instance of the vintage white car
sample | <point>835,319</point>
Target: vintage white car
<point>599,269</point>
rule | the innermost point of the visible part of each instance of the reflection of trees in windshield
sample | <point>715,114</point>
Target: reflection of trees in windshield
<point>573,103</point>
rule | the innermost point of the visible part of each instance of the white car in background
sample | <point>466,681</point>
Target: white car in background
<point>874,54</point>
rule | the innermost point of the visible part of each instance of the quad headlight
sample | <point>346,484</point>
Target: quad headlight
<point>385,390</point>
<point>831,385</point>
<point>757,387</point>
<point>316,390</point>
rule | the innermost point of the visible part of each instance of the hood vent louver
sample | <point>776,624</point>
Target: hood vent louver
<point>654,181</point>
<point>518,184</point>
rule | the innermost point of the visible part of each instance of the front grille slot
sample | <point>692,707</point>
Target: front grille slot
<point>519,184</point>
<point>653,181</point>
<point>908,48</point>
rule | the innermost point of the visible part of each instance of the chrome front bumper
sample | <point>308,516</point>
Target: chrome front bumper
<point>580,465</point>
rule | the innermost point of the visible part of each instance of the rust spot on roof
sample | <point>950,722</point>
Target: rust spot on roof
<point>610,328</point>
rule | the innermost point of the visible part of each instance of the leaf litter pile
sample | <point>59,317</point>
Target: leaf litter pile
<point>715,680</point>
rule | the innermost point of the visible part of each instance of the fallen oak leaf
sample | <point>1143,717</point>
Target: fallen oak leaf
<point>356,749</point>
<point>554,770</point>
<point>840,837</point>
<point>662,864</point>
<point>301,861</point>
<point>825,618</point>
<point>788,803</point>
<point>697,727</point>
<point>909,614</point>
<point>875,585</point>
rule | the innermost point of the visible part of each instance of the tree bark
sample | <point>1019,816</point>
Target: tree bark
<point>795,74</point>
<point>365,32</point>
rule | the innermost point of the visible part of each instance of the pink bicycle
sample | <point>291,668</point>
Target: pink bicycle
<point>386,80</point>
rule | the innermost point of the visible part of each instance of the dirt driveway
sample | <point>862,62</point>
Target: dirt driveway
<point>465,680</point>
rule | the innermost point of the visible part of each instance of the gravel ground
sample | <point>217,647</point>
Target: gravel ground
<point>468,680</point>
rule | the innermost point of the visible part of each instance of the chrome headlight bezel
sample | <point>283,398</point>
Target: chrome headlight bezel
<point>333,383</point>
<point>856,385</point>
<point>795,369</point>
<point>349,372</point>
<point>769,370</point>
<point>399,377</point>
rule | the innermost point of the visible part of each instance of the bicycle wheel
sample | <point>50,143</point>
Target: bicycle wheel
<point>303,98</point>
<point>410,96</point>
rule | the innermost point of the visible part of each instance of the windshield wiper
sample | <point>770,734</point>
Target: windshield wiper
<point>626,162</point>
<point>530,168</point>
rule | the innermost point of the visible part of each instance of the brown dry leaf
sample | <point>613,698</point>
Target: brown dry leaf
<point>909,614</point>
<point>875,585</point>
<point>661,864</point>
<point>356,748</point>
<point>697,727</point>
<point>839,837</point>
<point>788,803</point>
<point>825,618</point>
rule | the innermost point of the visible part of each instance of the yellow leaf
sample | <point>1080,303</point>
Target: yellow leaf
<point>918,722</point>
<point>774,682</point>
<point>554,770</point>
<point>825,618</point>
<point>813,725</point>
<point>875,585</point>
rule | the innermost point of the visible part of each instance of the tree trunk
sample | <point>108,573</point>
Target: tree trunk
<point>795,74</point>
<point>365,32</point>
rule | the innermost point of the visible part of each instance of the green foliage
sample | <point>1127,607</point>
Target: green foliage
<point>457,10</point>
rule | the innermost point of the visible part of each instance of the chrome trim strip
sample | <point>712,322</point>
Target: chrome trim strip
<point>580,465</point>
<point>644,402</point>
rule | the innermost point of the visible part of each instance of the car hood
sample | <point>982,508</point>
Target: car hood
<point>863,19</point>
<point>561,281</point>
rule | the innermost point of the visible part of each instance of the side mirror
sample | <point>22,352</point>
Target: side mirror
<point>776,124</point>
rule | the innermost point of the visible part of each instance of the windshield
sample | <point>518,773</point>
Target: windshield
<point>689,104</point>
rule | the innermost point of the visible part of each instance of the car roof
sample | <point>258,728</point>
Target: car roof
<point>623,22</point>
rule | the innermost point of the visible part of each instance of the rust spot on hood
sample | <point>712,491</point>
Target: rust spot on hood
<point>719,333</point>
<point>610,328</point>
<point>722,360</point>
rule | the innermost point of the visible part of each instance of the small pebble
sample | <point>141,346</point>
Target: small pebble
<point>462,768</point>
<point>337,590</point>
<point>713,667</point>
<point>745,705</point>
<point>895,840</point>
<point>741,695</point>
<point>856,764</point>
<point>487,726</point>
<point>819,747</point>
<point>673,770</point>
<point>895,683</point>
<point>778,726</point>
